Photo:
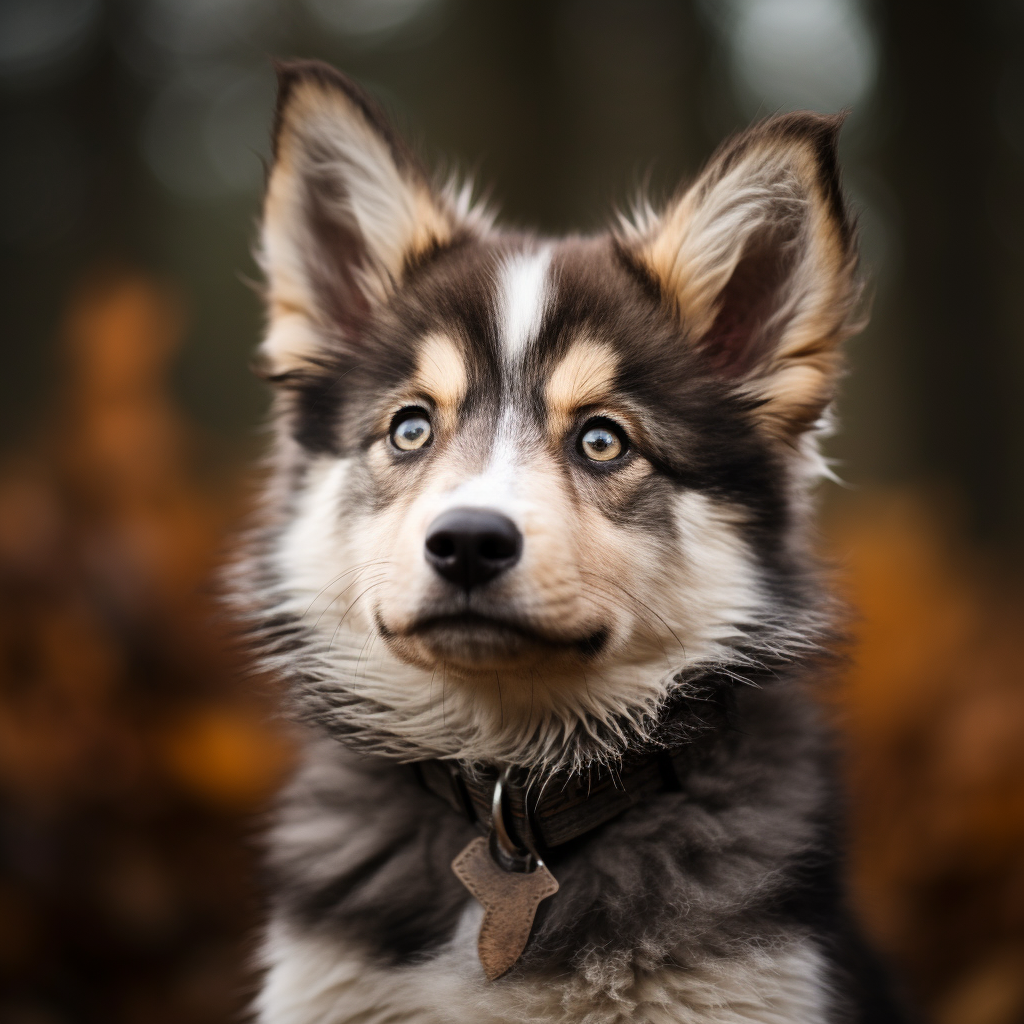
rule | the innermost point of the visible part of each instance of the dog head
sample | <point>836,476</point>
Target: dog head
<point>527,487</point>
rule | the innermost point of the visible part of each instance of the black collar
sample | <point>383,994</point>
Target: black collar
<point>561,806</point>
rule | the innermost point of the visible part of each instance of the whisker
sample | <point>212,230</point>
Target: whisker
<point>342,575</point>
<point>342,593</point>
<point>641,604</point>
<point>355,601</point>
<point>444,690</point>
<point>367,647</point>
<point>613,596</point>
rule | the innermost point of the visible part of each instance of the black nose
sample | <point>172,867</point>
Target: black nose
<point>470,546</point>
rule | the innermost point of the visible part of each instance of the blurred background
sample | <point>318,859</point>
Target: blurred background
<point>136,755</point>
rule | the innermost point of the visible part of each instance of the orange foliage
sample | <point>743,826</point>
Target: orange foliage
<point>134,748</point>
<point>933,715</point>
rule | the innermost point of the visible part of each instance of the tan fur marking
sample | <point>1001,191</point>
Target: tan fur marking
<point>441,372</point>
<point>432,227</point>
<point>585,376</point>
<point>282,306</point>
<point>808,361</point>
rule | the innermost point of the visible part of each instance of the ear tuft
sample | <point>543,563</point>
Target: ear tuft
<point>758,261</point>
<point>348,212</point>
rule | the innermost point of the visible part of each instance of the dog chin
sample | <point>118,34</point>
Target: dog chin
<point>477,643</point>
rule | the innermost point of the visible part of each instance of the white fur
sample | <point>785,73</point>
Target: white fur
<point>717,587</point>
<point>313,544</point>
<point>522,296</point>
<point>321,980</point>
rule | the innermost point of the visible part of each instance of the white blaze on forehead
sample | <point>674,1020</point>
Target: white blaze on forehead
<point>520,303</point>
<point>521,298</point>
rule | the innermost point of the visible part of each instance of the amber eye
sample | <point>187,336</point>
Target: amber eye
<point>601,443</point>
<point>410,430</point>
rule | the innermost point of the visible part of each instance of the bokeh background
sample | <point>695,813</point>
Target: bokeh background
<point>137,755</point>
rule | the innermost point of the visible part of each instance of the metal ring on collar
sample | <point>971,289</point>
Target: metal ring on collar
<point>509,856</point>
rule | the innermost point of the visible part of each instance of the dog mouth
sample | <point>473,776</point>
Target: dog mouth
<point>476,639</point>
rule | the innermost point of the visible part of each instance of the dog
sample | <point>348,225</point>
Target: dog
<point>534,564</point>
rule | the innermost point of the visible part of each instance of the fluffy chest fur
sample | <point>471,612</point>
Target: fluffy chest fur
<point>542,505</point>
<point>316,980</point>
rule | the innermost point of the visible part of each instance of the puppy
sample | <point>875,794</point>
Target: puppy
<point>534,567</point>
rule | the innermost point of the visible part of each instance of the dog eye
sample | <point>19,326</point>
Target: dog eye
<point>410,430</point>
<point>601,443</point>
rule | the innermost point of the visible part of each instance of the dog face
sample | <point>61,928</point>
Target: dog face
<point>525,488</point>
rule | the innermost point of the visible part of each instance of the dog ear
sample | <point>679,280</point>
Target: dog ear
<point>758,260</point>
<point>348,212</point>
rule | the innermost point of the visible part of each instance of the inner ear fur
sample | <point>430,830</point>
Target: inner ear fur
<point>758,261</point>
<point>348,211</point>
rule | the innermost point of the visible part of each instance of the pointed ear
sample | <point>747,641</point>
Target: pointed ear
<point>758,261</point>
<point>348,211</point>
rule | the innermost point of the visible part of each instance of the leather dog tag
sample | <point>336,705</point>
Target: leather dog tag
<point>510,900</point>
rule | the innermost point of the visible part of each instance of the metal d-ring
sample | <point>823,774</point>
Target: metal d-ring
<point>508,855</point>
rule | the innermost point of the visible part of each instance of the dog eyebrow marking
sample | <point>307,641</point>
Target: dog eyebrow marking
<point>441,371</point>
<point>521,299</point>
<point>584,376</point>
